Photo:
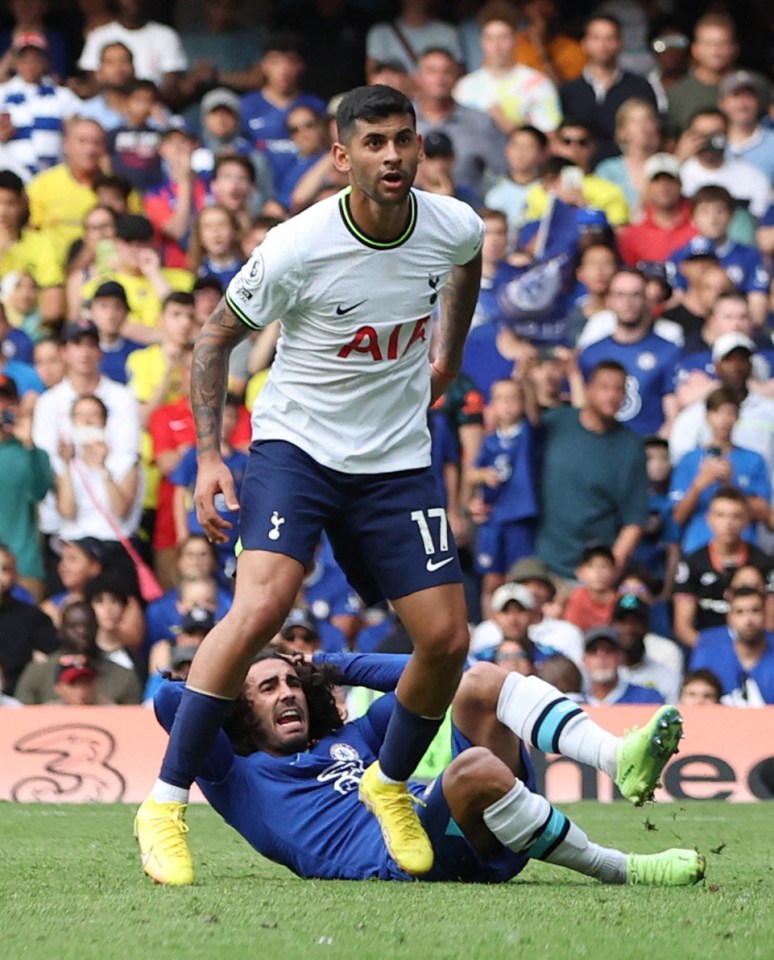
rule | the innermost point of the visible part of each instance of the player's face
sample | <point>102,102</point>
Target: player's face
<point>381,158</point>
<point>279,706</point>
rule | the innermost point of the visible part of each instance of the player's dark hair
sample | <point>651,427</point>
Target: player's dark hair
<point>244,731</point>
<point>106,583</point>
<point>371,103</point>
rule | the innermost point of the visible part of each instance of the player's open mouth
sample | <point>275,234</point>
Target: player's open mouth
<point>289,716</point>
<point>393,178</point>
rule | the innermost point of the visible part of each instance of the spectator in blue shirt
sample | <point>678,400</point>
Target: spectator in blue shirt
<point>705,469</point>
<point>603,659</point>
<point>108,310</point>
<point>740,654</point>
<point>649,360</point>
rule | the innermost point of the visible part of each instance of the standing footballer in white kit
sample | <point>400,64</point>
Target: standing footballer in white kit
<point>341,444</point>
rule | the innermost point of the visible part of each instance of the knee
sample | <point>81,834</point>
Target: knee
<point>259,618</point>
<point>480,686</point>
<point>478,773</point>
<point>444,641</point>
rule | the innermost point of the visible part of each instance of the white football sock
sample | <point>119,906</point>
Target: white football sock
<point>544,718</point>
<point>167,793</point>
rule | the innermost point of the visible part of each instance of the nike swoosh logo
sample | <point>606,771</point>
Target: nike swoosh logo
<point>431,565</point>
<point>341,311</point>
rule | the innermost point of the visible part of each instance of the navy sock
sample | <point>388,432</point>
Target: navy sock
<point>197,722</point>
<point>407,738</point>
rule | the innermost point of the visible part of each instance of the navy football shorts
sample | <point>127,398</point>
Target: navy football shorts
<point>389,531</point>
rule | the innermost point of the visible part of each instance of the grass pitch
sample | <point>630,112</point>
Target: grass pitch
<point>71,889</point>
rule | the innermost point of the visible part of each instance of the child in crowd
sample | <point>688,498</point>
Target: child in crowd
<point>183,478</point>
<point>700,687</point>
<point>214,250</point>
<point>197,589</point>
<point>195,624</point>
<point>134,146</point>
<point>591,604</point>
<point>713,208</point>
<point>108,310</point>
<point>109,600</point>
<point>506,505</point>
<point>657,549</point>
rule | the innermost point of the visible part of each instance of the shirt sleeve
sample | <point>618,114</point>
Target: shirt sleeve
<point>471,236</point>
<point>172,58</point>
<point>89,59</point>
<point>376,671</point>
<point>264,288</point>
<point>633,505</point>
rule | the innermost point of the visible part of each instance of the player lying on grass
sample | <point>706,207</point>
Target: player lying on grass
<point>285,772</point>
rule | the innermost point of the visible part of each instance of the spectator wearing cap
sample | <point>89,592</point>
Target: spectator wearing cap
<point>408,36</point>
<point>713,210</point>
<point>648,358</point>
<point>136,265</point>
<point>666,223</point>
<point>220,134</point>
<point>108,311</point>
<point>51,417</point>
<point>172,205</point>
<point>31,18</point>
<point>594,97</point>
<point>740,653</point>
<point>732,356</point>
<point>513,608</point>
<point>26,480</point>
<point>630,618</point>
<point>133,145</point>
<point>603,662</point>
<point>78,649</point>
<point>265,112</point>
<point>479,146</point>
<point>510,92</point>
<point>717,463</point>
<point>638,135</point>
<point>602,461</point>
<point>591,603</point>
<point>29,250</point>
<point>300,632</point>
<point>695,373</point>
<point>575,143</point>
<point>546,630</point>
<point>702,150</point>
<point>742,98</point>
<point>35,107</point>
<point>713,52</point>
<point>195,624</point>
<point>76,683</point>
<point>79,562</point>
<point>156,48</point>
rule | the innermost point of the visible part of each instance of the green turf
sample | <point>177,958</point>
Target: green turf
<point>71,889</point>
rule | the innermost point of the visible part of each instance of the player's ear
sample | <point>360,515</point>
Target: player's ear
<point>341,158</point>
<point>421,144</point>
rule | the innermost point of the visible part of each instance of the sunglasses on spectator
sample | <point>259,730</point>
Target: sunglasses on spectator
<point>575,141</point>
<point>306,125</point>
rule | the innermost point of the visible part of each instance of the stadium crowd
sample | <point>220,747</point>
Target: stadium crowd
<point>606,452</point>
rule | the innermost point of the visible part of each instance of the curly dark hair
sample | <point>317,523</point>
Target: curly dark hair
<point>244,731</point>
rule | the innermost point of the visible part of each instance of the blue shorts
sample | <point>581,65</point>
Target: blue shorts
<point>500,545</point>
<point>455,857</point>
<point>389,532</point>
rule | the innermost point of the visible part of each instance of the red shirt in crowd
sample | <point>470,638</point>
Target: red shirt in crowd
<point>646,240</point>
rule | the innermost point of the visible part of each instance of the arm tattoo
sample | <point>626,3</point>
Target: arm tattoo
<point>209,374</point>
<point>458,301</point>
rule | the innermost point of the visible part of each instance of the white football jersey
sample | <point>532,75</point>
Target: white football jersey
<point>350,384</point>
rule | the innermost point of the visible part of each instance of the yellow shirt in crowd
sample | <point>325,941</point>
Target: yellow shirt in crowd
<point>33,253</point>
<point>597,192</point>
